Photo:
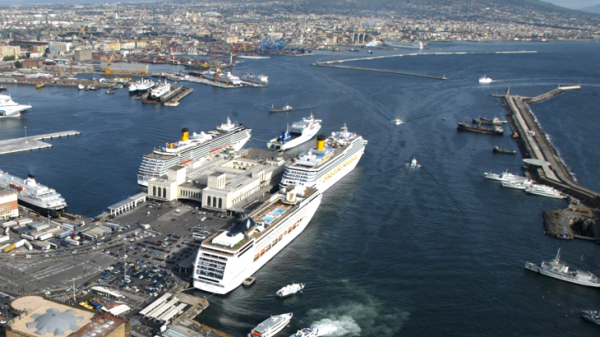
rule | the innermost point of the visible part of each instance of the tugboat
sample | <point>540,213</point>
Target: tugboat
<point>591,315</point>
<point>499,150</point>
<point>497,130</point>
<point>285,108</point>
<point>558,270</point>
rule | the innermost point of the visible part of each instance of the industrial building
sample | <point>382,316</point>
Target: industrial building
<point>9,207</point>
<point>126,68</point>
<point>234,182</point>
<point>84,55</point>
<point>43,318</point>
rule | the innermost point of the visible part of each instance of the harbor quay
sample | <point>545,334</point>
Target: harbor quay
<point>32,142</point>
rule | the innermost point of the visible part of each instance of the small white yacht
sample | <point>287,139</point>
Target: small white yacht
<point>414,163</point>
<point>306,332</point>
<point>398,121</point>
<point>290,289</point>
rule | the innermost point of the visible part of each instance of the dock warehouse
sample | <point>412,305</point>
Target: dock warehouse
<point>127,204</point>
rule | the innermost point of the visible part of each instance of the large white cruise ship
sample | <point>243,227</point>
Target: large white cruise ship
<point>404,44</point>
<point>33,195</point>
<point>191,149</point>
<point>330,161</point>
<point>10,108</point>
<point>301,132</point>
<point>225,259</point>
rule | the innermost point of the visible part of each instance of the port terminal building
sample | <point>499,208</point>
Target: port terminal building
<point>127,204</point>
<point>9,207</point>
<point>224,183</point>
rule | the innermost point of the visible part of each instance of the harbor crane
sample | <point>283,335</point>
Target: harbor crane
<point>109,58</point>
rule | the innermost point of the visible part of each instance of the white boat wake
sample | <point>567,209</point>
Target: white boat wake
<point>338,327</point>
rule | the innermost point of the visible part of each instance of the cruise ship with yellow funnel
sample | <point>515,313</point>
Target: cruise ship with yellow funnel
<point>191,149</point>
<point>323,166</point>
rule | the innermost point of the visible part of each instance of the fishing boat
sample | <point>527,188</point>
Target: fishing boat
<point>285,108</point>
<point>499,150</point>
<point>248,282</point>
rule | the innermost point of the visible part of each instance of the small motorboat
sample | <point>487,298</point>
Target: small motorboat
<point>40,85</point>
<point>110,91</point>
<point>171,103</point>
<point>485,80</point>
<point>249,281</point>
<point>290,289</point>
<point>80,86</point>
<point>3,88</point>
<point>414,163</point>
<point>398,121</point>
<point>306,332</point>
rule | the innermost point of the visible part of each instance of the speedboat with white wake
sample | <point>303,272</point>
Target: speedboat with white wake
<point>306,332</point>
<point>485,80</point>
<point>290,290</point>
<point>398,121</point>
<point>300,132</point>
<point>558,270</point>
<point>271,326</point>
<point>413,164</point>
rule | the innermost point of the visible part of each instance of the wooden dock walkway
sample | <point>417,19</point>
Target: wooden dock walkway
<point>32,142</point>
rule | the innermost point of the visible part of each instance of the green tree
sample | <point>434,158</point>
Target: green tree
<point>18,64</point>
<point>9,58</point>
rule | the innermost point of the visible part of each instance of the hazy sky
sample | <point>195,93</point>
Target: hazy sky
<point>574,3</point>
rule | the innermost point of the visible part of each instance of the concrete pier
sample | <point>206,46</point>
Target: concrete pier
<point>32,142</point>
<point>543,161</point>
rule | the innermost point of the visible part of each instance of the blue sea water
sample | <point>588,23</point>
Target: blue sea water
<point>391,251</point>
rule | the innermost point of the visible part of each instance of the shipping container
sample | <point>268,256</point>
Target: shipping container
<point>112,226</point>
<point>9,248</point>
<point>66,243</point>
<point>20,243</point>
<point>21,230</point>
<point>28,245</point>
<point>54,243</point>
<point>62,234</point>
<point>24,221</point>
<point>41,245</point>
<point>9,224</point>
<point>4,238</point>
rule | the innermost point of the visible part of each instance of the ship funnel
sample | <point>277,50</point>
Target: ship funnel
<point>321,142</point>
<point>185,134</point>
<point>291,197</point>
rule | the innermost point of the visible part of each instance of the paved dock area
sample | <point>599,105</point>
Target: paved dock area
<point>32,142</point>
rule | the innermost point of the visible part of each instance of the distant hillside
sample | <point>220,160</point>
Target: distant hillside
<point>592,9</point>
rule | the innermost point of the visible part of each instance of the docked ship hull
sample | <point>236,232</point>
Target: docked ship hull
<point>478,129</point>
<point>46,212</point>
<point>239,268</point>
<point>295,141</point>
<point>14,111</point>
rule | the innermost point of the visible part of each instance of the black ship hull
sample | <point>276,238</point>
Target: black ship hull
<point>479,129</point>
<point>53,213</point>
<point>499,150</point>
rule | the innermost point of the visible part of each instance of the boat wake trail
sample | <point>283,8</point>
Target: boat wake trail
<point>344,326</point>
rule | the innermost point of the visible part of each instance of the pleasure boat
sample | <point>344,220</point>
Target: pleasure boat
<point>290,289</point>
<point>414,163</point>
<point>558,270</point>
<point>485,80</point>
<point>254,78</point>
<point>545,191</point>
<point>271,326</point>
<point>505,176</point>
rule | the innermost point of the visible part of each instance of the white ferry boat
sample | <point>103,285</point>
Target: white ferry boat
<point>229,78</point>
<point>330,161</point>
<point>561,271</point>
<point>191,149</point>
<point>545,191</point>
<point>10,108</point>
<point>504,176</point>
<point>404,44</point>
<point>141,86</point>
<point>485,80</point>
<point>271,326</point>
<point>161,89</point>
<point>254,78</point>
<point>516,184</point>
<point>300,132</point>
<point>226,259</point>
<point>306,332</point>
<point>33,195</point>
<point>290,289</point>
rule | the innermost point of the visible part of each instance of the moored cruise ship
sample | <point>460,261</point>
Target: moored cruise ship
<point>300,132</point>
<point>10,108</point>
<point>191,149</point>
<point>255,78</point>
<point>34,196</point>
<point>330,161</point>
<point>404,44</point>
<point>225,259</point>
